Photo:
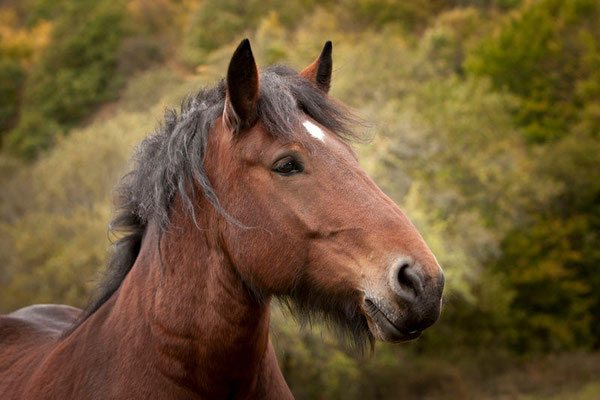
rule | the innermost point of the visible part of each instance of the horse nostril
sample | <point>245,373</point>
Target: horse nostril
<point>408,282</point>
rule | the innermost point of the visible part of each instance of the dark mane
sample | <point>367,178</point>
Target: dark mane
<point>173,156</point>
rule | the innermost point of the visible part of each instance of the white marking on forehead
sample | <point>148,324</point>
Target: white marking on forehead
<point>314,131</point>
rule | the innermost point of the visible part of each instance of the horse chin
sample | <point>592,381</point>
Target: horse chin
<point>387,332</point>
<point>383,329</point>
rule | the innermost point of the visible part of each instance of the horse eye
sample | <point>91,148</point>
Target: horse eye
<point>288,166</point>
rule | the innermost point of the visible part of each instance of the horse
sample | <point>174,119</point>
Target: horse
<point>251,193</point>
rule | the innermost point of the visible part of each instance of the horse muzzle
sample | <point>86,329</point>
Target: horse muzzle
<point>409,302</point>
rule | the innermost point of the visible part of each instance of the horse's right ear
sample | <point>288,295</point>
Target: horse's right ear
<point>242,89</point>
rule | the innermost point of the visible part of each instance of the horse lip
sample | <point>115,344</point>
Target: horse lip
<point>390,330</point>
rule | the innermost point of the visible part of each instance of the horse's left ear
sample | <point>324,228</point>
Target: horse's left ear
<point>242,89</point>
<point>319,72</point>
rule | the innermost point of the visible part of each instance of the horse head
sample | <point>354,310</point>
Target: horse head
<point>310,226</point>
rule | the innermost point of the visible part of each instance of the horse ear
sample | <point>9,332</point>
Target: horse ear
<point>319,72</point>
<point>242,89</point>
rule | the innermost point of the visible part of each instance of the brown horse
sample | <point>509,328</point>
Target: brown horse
<point>251,193</point>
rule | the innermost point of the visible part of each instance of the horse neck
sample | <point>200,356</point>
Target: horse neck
<point>204,327</point>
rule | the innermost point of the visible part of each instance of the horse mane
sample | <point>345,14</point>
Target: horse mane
<point>166,162</point>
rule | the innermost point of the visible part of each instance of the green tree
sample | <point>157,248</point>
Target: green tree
<point>12,77</point>
<point>547,55</point>
<point>76,72</point>
<point>551,259</point>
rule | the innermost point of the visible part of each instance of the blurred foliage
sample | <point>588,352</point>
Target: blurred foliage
<point>214,24</point>
<point>549,55</point>
<point>19,46</point>
<point>94,46</point>
<point>485,129</point>
<point>54,208</point>
<point>552,260</point>
<point>11,83</point>
<point>73,75</point>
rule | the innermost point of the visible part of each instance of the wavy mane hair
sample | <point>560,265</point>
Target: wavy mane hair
<point>166,162</point>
